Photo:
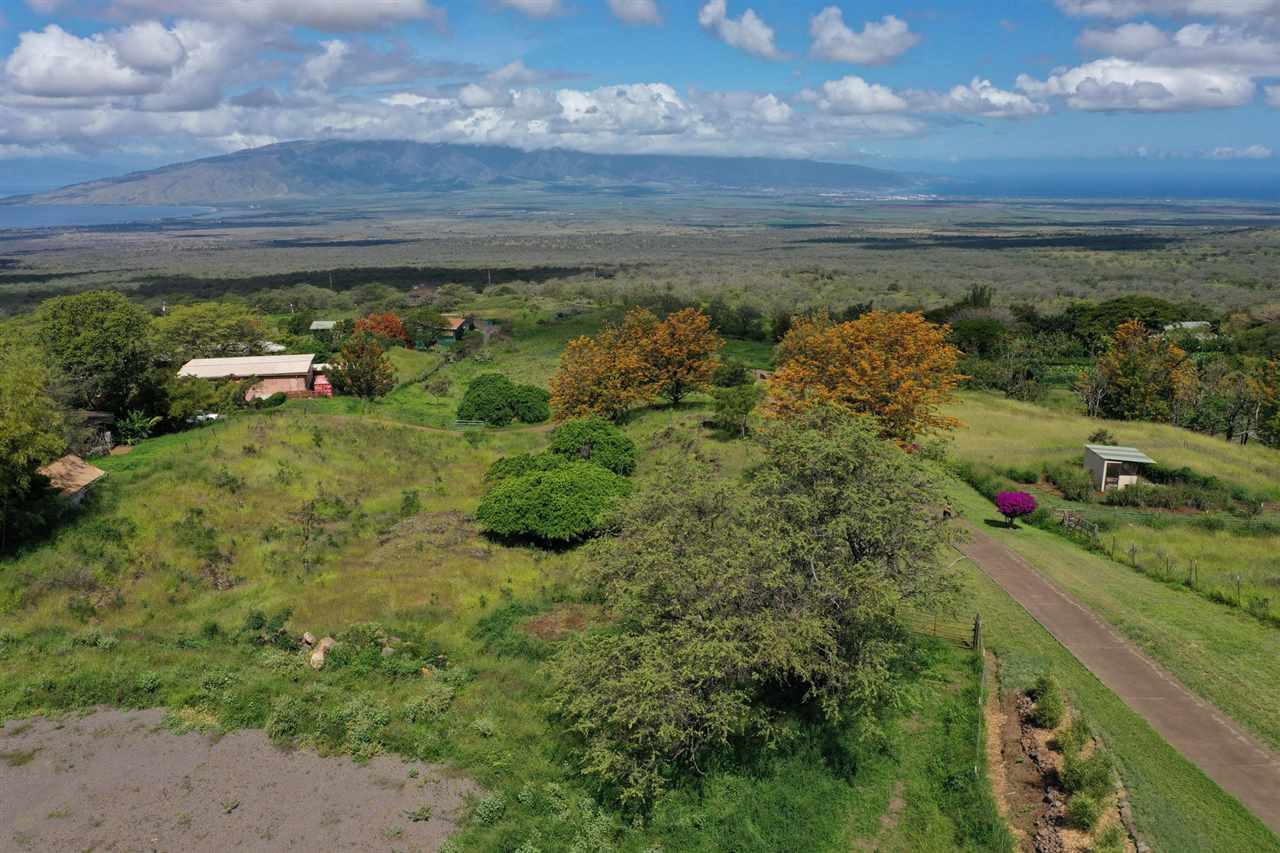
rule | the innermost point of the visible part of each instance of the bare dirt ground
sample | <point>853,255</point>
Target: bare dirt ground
<point>121,781</point>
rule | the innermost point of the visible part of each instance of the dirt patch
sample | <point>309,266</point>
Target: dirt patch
<point>888,821</point>
<point>561,621</point>
<point>120,780</point>
<point>441,529</point>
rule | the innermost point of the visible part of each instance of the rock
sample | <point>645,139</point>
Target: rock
<point>322,648</point>
<point>308,639</point>
<point>387,650</point>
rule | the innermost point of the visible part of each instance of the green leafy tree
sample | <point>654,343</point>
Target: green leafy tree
<point>737,605</point>
<point>32,432</point>
<point>496,400</point>
<point>423,325</point>
<point>733,408</point>
<point>99,345</point>
<point>595,440</point>
<point>207,330</point>
<point>559,505</point>
<point>363,369</point>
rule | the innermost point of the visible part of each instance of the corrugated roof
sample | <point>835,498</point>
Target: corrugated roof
<point>1121,454</point>
<point>323,325</point>
<point>71,474</point>
<point>253,365</point>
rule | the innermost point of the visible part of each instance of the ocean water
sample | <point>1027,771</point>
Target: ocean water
<point>78,215</point>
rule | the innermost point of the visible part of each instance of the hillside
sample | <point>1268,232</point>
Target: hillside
<point>311,169</point>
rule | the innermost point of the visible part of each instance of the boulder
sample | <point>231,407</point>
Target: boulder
<point>308,639</point>
<point>322,648</point>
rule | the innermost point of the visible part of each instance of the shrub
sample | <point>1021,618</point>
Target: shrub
<point>1014,505</point>
<point>1084,812</point>
<point>521,464</point>
<point>598,441</point>
<point>1075,483</point>
<point>562,505</point>
<point>1050,705</point>
<point>1091,776</point>
<point>1072,739</point>
<point>731,373</point>
<point>490,809</point>
<point>1023,475</point>
<point>496,400</point>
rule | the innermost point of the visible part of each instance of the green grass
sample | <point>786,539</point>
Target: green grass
<point>1176,807</point>
<point>1005,434</point>
<point>300,509</point>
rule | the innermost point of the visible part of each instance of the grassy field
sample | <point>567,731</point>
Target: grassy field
<point>1177,808</point>
<point>168,589</point>
<point>1208,550</point>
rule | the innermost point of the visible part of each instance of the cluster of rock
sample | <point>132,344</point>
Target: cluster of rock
<point>1047,836</point>
<point>319,648</point>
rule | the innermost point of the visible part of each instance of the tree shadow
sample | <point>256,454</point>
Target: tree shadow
<point>1003,525</point>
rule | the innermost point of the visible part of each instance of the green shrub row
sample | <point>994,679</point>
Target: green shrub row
<point>496,400</point>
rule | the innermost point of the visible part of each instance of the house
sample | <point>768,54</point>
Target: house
<point>321,386</point>
<point>457,325</point>
<point>1114,467</point>
<point>292,375</point>
<point>72,477</point>
<point>323,325</point>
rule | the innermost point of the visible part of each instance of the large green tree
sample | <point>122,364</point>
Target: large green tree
<point>32,431</point>
<point>362,368</point>
<point>99,347</point>
<point>736,606</point>
<point>207,330</point>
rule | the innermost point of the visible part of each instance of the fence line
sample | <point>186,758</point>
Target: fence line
<point>980,649</point>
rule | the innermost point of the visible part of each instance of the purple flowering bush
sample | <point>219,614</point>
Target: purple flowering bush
<point>1014,505</point>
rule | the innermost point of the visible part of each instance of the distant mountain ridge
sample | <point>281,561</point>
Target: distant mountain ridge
<point>329,168</point>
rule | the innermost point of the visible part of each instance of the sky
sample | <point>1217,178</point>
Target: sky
<point>152,81</point>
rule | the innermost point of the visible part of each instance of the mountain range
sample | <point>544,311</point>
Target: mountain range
<point>331,168</point>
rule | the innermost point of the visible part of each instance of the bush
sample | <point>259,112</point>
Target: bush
<point>598,441</point>
<point>1091,776</point>
<point>1084,812</point>
<point>496,400</point>
<point>521,464</point>
<point>1075,483</point>
<point>1050,705</point>
<point>1014,505</point>
<point>1073,738</point>
<point>1025,476</point>
<point>731,373</point>
<point>561,505</point>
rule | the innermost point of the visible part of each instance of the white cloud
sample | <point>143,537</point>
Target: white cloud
<point>535,8</point>
<point>749,32</point>
<point>326,15</point>
<point>1253,152</point>
<point>637,11</point>
<point>1188,8</point>
<point>1127,40</point>
<point>53,63</point>
<point>1112,85</point>
<point>148,47</point>
<point>979,98</point>
<point>474,96</point>
<point>854,96</point>
<point>771,110</point>
<point>877,44</point>
<point>318,70</point>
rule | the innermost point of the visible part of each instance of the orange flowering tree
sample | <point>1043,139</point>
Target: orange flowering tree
<point>603,375</point>
<point>635,362</point>
<point>388,328</point>
<point>1142,376</point>
<point>897,368</point>
<point>680,353</point>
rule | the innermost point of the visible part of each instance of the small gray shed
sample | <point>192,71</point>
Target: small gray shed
<point>1114,467</point>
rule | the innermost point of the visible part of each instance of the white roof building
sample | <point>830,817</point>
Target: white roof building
<point>323,325</point>
<point>262,366</point>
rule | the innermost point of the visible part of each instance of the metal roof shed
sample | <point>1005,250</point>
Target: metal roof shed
<point>262,366</point>
<point>323,325</point>
<point>1114,467</point>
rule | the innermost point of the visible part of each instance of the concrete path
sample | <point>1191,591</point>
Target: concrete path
<point>1234,759</point>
